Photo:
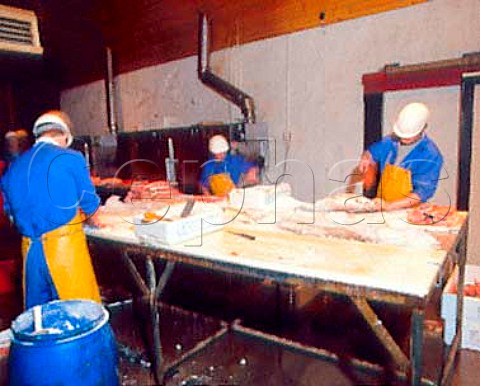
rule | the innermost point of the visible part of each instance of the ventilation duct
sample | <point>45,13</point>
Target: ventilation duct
<point>227,90</point>
<point>19,31</point>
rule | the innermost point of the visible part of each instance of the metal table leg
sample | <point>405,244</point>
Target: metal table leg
<point>155,291</point>
<point>152,292</point>
<point>416,347</point>
<point>460,258</point>
<point>155,321</point>
<point>137,278</point>
<point>380,332</point>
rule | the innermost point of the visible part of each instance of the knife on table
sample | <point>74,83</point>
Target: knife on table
<point>187,209</point>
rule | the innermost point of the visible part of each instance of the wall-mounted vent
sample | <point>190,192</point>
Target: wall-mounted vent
<point>19,31</point>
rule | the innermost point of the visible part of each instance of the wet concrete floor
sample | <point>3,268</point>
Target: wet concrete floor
<point>235,359</point>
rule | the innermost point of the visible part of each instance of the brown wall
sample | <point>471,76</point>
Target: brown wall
<point>22,99</point>
<point>149,32</point>
<point>141,33</point>
<point>152,32</point>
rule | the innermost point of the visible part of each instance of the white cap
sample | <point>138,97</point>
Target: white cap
<point>10,134</point>
<point>411,120</point>
<point>218,144</point>
<point>53,120</point>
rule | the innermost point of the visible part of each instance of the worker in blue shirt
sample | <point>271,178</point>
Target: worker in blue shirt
<point>408,161</point>
<point>48,194</point>
<point>11,146</point>
<point>16,142</point>
<point>225,171</point>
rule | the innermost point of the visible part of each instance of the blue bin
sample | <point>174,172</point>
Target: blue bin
<point>77,348</point>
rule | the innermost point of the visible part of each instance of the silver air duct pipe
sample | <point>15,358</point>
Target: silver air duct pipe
<point>227,90</point>
<point>111,111</point>
<point>105,154</point>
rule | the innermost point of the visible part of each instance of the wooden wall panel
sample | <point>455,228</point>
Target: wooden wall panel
<point>22,100</point>
<point>72,37</point>
<point>339,10</point>
<point>148,32</point>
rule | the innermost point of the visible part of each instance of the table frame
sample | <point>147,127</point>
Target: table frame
<point>408,366</point>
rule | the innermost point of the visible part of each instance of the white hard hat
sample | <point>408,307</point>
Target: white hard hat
<point>218,144</point>
<point>411,120</point>
<point>53,120</point>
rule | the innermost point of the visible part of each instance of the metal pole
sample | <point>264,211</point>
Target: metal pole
<point>155,320</point>
<point>416,347</point>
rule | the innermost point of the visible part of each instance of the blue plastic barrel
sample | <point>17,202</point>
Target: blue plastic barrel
<point>76,346</point>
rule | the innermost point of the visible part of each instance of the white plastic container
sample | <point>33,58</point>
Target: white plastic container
<point>258,197</point>
<point>471,310</point>
<point>171,229</point>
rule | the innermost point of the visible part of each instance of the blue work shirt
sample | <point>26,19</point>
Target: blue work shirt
<point>424,162</point>
<point>44,188</point>
<point>234,165</point>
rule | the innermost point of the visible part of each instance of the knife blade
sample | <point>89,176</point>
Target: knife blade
<point>187,209</point>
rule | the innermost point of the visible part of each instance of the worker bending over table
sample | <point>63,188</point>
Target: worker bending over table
<point>408,161</point>
<point>224,171</point>
<point>48,194</point>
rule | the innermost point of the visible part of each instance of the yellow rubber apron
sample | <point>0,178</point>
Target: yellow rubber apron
<point>68,260</point>
<point>395,183</point>
<point>221,184</point>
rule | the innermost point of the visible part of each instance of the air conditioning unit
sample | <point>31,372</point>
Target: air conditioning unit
<point>19,31</point>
